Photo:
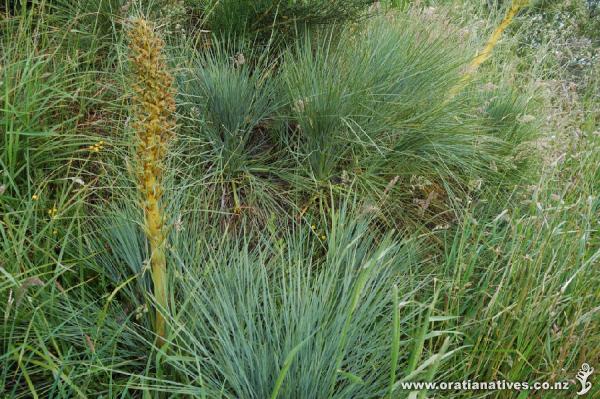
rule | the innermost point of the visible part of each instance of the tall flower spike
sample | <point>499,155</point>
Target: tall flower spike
<point>154,123</point>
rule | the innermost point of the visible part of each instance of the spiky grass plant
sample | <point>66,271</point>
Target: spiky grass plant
<point>290,314</point>
<point>371,107</point>
<point>229,103</point>
<point>154,124</point>
<point>236,98</point>
<point>285,313</point>
<point>298,316</point>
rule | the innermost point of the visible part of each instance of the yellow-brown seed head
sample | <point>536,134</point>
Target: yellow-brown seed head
<point>154,123</point>
<point>154,102</point>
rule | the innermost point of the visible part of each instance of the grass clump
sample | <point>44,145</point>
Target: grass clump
<point>315,317</point>
<point>299,312</point>
<point>375,108</point>
<point>354,110</point>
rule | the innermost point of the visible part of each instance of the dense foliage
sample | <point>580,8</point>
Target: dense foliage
<point>343,204</point>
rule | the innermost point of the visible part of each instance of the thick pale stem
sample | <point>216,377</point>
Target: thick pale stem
<point>158,262</point>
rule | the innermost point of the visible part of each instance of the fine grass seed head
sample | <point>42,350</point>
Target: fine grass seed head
<point>154,123</point>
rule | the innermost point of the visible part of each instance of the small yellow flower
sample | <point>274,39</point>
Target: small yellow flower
<point>313,227</point>
<point>96,147</point>
<point>323,237</point>
<point>52,211</point>
<point>35,197</point>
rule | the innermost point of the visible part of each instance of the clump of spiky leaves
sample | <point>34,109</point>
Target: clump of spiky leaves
<point>235,100</point>
<point>299,315</point>
<point>229,101</point>
<point>290,314</point>
<point>154,123</point>
<point>286,313</point>
<point>374,107</point>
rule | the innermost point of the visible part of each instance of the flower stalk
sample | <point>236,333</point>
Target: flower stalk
<point>496,35</point>
<point>515,7</point>
<point>154,124</point>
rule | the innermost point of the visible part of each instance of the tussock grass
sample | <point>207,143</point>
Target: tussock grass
<point>334,220</point>
<point>355,110</point>
<point>301,301</point>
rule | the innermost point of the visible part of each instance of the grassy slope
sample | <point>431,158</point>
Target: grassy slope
<point>512,293</point>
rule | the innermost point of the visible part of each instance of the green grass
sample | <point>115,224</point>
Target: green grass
<point>338,222</point>
<point>525,282</point>
<point>267,21</point>
<point>352,109</point>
